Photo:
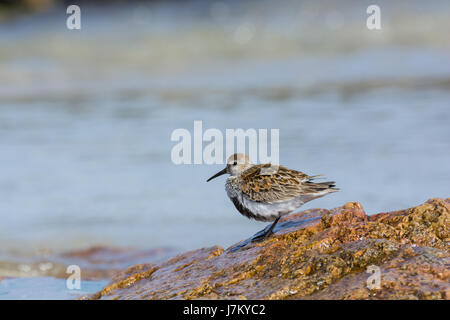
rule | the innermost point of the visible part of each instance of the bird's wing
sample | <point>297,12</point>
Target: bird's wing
<point>266,183</point>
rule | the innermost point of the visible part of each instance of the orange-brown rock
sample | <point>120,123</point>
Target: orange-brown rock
<point>314,254</point>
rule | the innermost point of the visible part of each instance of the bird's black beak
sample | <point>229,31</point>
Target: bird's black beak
<point>221,172</point>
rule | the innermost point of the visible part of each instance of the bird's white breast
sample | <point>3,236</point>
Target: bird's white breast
<point>259,210</point>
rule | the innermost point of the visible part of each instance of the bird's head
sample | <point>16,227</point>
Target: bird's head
<point>236,164</point>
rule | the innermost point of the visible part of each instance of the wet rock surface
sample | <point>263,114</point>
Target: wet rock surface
<point>314,254</point>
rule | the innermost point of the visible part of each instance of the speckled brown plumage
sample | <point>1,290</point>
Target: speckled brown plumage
<point>281,185</point>
<point>267,192</point>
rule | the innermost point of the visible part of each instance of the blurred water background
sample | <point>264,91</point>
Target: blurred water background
<point>86,116</point>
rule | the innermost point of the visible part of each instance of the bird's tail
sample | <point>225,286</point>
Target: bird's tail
<point>329,186</point>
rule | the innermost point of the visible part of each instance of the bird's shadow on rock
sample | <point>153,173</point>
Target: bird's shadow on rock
<point>280,226</point>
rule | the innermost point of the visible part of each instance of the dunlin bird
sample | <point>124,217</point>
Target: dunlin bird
<point>266,193</point>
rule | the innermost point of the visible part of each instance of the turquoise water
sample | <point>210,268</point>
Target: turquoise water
<point>86,117</point>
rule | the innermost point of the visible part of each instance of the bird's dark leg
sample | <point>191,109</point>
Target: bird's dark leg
<point>269,232</point>
<point>263,234</point>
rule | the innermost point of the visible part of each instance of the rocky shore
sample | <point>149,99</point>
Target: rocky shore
<point>314,254</point>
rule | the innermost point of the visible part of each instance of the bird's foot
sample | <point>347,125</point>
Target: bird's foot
<point>261,235</point>
<point>265,233</point>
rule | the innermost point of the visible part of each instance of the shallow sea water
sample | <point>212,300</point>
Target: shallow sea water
<point>86,117</point>
<point>46,288</point>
